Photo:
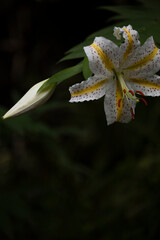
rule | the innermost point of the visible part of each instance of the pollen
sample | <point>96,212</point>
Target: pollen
<point>132,113</point>
<point>143,100</point>
<point>141,93</point>
<point>131,92</point>
<point>119,102</point>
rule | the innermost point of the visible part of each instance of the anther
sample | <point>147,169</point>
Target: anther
<point>143,100</point>
<point>141,93</point>
<point>131,92</point>
<point>124,90</point>
<point>119,102</point>
<point>133,116</point>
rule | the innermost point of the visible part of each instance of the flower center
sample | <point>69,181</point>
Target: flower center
<point>128,93</point>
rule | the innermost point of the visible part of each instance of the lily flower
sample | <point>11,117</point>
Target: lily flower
<point>124,75</point>
<point>31,99</point>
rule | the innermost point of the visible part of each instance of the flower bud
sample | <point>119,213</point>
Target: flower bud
<point>32,99</point>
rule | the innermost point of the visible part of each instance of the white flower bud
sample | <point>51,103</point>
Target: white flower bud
<point>31,99</point>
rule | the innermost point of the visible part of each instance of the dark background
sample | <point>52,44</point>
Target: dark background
<point>64,174</point>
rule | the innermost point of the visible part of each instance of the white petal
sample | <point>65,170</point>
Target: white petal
<point>114,111</point>
<point>30,100</point>
<point>141,52</point>
<point>145,61</point>
<point>109,48</point>
<point>91,89</point>
<point>128,104</point>
<point>149,86</point>
<point>110,103</point>
<point>131,41</point>
<point>96,62</point>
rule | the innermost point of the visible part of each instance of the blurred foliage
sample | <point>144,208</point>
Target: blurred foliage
<point>64,174</point>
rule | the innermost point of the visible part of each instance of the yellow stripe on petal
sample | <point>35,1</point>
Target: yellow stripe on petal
<point>130,44</point>
<point>119,101</point>
<point>144,60</point>
<point>144,83</point>
<point>89,89</point>
<point>103,56</point>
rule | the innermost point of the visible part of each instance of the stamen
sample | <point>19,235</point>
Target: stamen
<point>143,100</point>
<point>131,96</point>
<point>133,116</point>
<point>131,92</point>
<point>119,102</point>
<point>141,93</point>
<point>124,90</point>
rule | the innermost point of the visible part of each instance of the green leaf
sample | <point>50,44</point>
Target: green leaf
<point>76,51</point>
<point>86,70</point>
<point>62,75</point>
<point>124,15</point>
<point>79,53</point>
<point>145,18</point>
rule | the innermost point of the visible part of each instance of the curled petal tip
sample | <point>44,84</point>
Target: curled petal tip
<point>117,33</point>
